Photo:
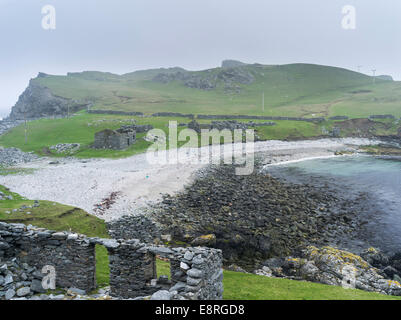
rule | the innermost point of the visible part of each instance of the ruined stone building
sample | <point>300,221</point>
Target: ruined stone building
<point>115,139</point>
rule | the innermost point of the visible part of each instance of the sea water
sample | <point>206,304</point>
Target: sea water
<point>378,177</point>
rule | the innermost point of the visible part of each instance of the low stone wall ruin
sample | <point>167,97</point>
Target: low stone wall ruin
<point>115,112</point>
<point>245,117</point>
<point>173,114</point>
<point>196,273</point>
<point>382,116</point>
<point>71,255</point>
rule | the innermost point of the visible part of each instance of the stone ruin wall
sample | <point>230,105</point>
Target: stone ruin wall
<point>110,139</point>
<point>71,255</point>
<point>196,273</point>
<point>134,227</point>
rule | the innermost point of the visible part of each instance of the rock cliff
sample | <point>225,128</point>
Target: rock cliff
<point>232,64</point>
<point>37,101</point>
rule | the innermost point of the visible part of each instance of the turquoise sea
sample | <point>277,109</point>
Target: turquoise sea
<point>373,181</point>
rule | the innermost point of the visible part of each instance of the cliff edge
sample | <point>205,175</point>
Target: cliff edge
<point>37,101</point>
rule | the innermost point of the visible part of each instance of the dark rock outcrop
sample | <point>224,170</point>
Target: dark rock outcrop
<point>37,101</point>
<point>232,64</point>
<point>332,266</point>
<point>229,78</point>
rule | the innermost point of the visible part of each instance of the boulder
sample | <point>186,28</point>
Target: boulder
<point>22,292</point>
<point>332,266</point>
<point>205,240</point>
<point>10,293</point>
<point>161,295</point>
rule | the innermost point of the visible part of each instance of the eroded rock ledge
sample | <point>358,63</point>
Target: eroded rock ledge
<point>332,266</point>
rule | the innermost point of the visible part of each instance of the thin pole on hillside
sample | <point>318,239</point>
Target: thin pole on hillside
<point>374,75</point>
<point>26,130</point>
<point>263,102</point>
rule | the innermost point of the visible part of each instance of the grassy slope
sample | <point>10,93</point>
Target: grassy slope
<point>238,286</point>
<point>293,90</point>
<point>82,128</point>
<point>241,286</point>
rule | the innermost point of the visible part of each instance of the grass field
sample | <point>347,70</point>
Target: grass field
<point>238,286</point>
<point>82,127</point>
<point>290,90</point>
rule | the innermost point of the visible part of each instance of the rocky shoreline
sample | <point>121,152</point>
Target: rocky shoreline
<point>257,217</point>
<point>265,225</point>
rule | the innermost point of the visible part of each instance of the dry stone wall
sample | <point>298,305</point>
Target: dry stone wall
<point>72,256</point>
<point>134,227</point>
<point>196,273</point>
<point>115,112</point>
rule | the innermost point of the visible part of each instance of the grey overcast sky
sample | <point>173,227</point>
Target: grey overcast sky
<point>121,36</point>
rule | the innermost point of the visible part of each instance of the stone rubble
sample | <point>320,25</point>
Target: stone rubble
<point>253,217</point>
<point>66,148</point>
<point>14,156</point>
<point>6,125</point>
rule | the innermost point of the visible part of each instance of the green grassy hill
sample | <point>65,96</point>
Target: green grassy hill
<point>290,90</point>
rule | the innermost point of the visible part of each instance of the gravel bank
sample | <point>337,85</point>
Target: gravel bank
<point>14,156</point>
<point>87,183</point>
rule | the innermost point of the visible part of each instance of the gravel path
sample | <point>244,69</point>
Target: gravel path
<point>86,183</point>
